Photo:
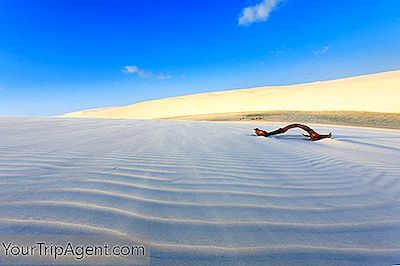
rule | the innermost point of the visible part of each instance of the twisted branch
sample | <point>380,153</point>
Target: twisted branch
<point>312,134</point>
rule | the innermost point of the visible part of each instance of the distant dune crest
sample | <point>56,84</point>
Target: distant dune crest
<point>372,93</point>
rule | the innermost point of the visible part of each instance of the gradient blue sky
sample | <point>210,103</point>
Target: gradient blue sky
<point>60,56</point>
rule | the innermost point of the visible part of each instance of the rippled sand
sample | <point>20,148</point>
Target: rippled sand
<point>206,193</point>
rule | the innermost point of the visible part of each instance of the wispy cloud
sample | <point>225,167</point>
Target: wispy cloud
<point>141,73</point>
<point>135,70</point>
<point>257,13</point>
<point>281,50</point>
<point>163,76</point>
<point>321,51</point>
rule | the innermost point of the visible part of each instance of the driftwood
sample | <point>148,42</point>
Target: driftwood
<point>312,134</point>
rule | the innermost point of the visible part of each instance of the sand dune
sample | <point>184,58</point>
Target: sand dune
<point>372,93</point>
<point>206,192</point>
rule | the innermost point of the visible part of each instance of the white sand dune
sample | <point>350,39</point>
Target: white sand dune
<point>372,93</point>
<point>206,193</point>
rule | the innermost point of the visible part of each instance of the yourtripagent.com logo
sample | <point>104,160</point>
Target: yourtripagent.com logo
<point>73,250</point>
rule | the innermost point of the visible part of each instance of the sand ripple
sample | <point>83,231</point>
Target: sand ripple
<point>206,191</point>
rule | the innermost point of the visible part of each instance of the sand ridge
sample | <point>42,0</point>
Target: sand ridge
<point>371,93</point>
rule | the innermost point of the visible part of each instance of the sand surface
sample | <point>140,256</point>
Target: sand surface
<point>206,193</point>
<point>371,93</point>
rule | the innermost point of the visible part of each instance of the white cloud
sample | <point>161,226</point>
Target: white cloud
<point>135,70</point>
<point>257,13</point>
<point>163,76</point>
<point>321,51</point>
<point>141,73</point>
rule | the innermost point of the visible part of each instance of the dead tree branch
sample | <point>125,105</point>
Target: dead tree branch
<point>312,134</point>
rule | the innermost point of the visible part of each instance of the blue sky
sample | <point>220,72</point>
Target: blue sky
<point>60,56</point>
